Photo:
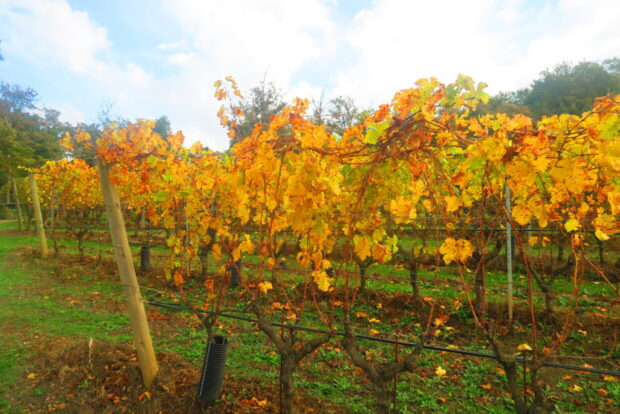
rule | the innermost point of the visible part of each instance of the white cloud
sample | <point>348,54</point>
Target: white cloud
<point>172,46</point>
<point>505,44</point>
<point>383,49</point>
<point>245,39</point>
<point>181,58</point>
<point>249,38</point>
<point>69,113</point>
<point>52,33</point>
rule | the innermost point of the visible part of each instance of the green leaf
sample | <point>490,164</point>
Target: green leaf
<point>375,131</point>
<point>160,196</point>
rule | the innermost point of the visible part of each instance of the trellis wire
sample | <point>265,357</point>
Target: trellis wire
<point>480,354</point>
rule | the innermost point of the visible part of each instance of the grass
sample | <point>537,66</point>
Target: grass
<point>37,298</point>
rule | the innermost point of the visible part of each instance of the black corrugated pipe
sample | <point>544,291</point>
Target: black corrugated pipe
<point>235,274</point>
<point>145,258</point>
<point>212,376</point>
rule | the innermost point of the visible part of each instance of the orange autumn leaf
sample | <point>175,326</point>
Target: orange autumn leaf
<point>145,395</point>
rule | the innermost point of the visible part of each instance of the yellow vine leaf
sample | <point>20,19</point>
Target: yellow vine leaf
<point>196,148</point>
<point>236,253</point>
<point>522,214</point>
<point>265,286</point>
<point>534,240</point>
<point>456,250</point>
<point>322,280</point>
<point>452,203</point>
<point>402,209</point>
<point>217,251</point>
<point>571,225</point>
<point>362,246</point>
<point>614,201</point>
<point>440,372</point>
<point>247,246</point>
<point>600,235</point>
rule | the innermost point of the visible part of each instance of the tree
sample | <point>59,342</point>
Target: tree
<point>566,88</point>
<point>14,98</point>
<point>263,101</point>
<point>338,114</point>
<point>572,89</point>
<point>509,103</point>
<point>342,114</point>
<point>612,65</point>
<point>163,127</point>
<point>26,139</point>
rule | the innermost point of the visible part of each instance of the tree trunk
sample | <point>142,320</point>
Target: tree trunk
<point>28,218</point>
<point>547,293</point>
<point>413,279</point>
<point>204,264</point>
<point>480,301</point>
<point>291,353</point>
<point>382,395</point>
<point>601,255</point>
<point>540,405</point>
<point>6,210</point>
<point>80,239</point>
<point>481,261</point>
<point>560,256</point>
<point>287,367</point>
<point>362,271</point>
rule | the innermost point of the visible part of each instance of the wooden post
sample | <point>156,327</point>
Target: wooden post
<point>19,208</point>
<point>38,217</point>
<point>509,252</point>
<point>135,307</point>
<point>52,220</point>
<point>7,214</point>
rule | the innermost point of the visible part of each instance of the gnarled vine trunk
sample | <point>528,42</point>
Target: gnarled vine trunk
<point>291,353</point>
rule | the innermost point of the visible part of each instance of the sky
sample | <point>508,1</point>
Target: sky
<point>161,57</point>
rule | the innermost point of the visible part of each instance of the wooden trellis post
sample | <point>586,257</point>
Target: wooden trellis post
<point>17,204</point>
<point>38,217</point>
<point>135,307</point>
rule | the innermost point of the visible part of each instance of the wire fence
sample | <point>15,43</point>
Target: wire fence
<point>464,352</point>
<point>422,281</point>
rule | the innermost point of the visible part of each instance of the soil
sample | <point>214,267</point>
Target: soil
<point>95,377</point>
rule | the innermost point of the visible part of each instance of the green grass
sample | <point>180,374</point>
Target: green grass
<point>26,312</point>
<point>328,375</point>
<point>11,351</point>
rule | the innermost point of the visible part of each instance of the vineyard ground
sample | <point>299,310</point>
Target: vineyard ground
<point>50,309</point>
